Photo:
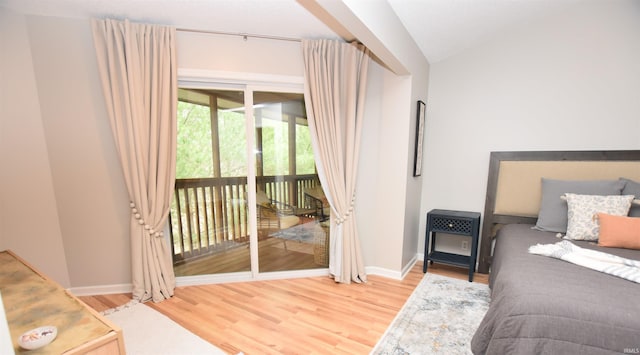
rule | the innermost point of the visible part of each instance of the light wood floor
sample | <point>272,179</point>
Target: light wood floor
<point>274,255</point>
<point>294,316</point>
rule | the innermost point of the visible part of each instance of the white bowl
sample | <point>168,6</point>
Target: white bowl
<point>38,337</point>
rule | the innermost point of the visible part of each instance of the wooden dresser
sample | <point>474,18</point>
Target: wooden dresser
<point>32,300</point>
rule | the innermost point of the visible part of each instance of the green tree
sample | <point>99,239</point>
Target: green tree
<point>194,144</point>
<point>233,144</point>
<point>305,161</point>
<point>275,147</point>
<point>194,155</point>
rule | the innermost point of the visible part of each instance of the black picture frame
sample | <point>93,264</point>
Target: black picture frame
<point>420,121</point>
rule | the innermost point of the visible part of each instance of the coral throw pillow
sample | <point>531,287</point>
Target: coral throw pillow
<point>619,231</point>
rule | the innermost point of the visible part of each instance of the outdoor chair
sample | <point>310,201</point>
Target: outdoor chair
<point>273,215</point>
<point>315,200</point>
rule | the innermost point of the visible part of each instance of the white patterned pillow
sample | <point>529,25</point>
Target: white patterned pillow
<point>582,223</point>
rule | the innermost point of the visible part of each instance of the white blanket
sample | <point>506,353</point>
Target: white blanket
<point>607,263</point>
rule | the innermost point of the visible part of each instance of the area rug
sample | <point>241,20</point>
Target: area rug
<point>310,232</point>
<point>439,317</point>
<point>147,331</point>
<point>305,248</point>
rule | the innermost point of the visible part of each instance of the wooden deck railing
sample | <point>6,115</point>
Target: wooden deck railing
<point>211,214</point>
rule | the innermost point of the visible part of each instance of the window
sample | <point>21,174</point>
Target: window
<point>211,211</point>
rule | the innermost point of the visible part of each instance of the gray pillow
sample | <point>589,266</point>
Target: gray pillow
<point>632,188</point>
<point>552,216</point>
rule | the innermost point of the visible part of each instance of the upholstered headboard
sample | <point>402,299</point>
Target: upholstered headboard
<point>514,188</point>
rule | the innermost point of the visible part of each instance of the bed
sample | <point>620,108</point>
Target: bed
<point>540,304</point>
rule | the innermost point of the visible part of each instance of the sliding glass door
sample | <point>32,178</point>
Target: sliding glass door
<point>240,208</point>
<point>291,231</point>
<point>210,229</point>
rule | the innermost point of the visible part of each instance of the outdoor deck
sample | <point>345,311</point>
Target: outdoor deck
<point>272,255</point>
<point>210,226</point>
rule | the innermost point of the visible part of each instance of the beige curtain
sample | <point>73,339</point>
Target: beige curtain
<point>137,64</point>
<point>335,82</point>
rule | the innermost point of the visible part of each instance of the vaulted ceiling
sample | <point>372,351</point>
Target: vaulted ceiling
<point>439,27</point>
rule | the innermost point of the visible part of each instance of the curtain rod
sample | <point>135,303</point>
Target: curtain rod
<point>243,35</point>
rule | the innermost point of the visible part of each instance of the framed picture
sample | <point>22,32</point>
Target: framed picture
<point>417,165</point>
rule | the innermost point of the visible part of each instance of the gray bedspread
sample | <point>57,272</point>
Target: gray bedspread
<point>541,305</point>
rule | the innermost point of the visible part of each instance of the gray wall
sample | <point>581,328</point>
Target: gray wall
<point>69,213</point>
<point>29,223</point>
<point>570,81</point>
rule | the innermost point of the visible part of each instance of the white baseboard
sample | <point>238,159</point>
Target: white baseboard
<point>409,266</point>
<point>392,274</point>
<point>378,271</point>
<point>101,290</point>
<point>246,277</point>
<point>242,277</point>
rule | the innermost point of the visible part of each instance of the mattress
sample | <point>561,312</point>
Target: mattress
<point>541,305</point>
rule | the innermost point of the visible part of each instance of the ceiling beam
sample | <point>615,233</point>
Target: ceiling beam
<point>373,23</point>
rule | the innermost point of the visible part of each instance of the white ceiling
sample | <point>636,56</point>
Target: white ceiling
<point>439,27</point>
<point>444,27</point>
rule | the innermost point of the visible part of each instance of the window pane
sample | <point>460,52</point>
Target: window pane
<point>233,144</point>
<point>293,226</point>
<point>194,141</point>
<point>275,143</point>
<point>209,218</point>
<point>305,163</point>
